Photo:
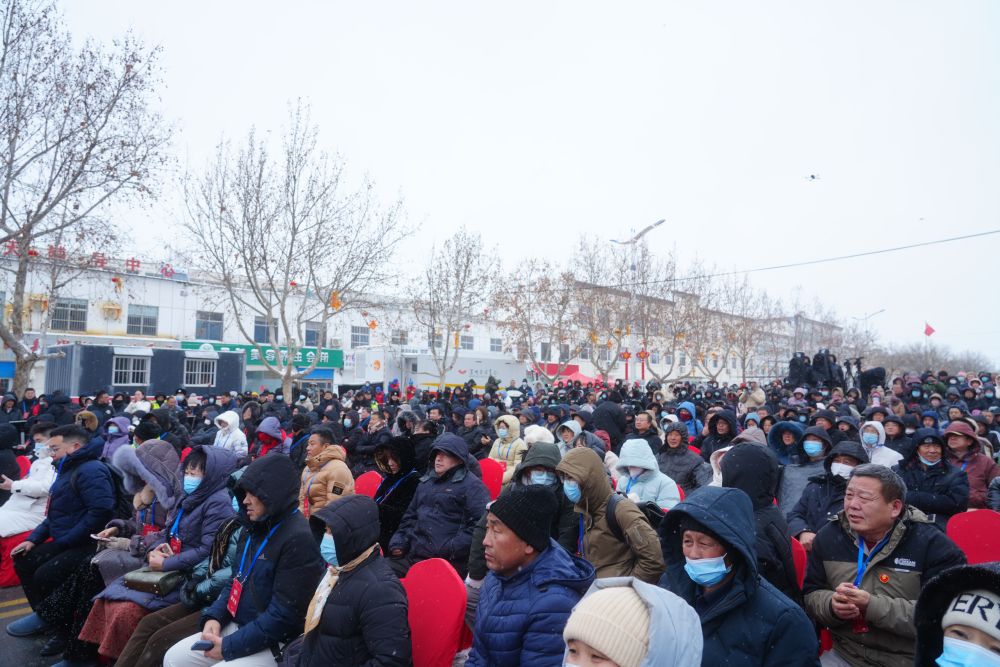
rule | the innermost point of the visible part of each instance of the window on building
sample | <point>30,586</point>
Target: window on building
<point>130,371</point>
<point>466,342</point>
<point>399,337</point>
<point>360,336</point>
<point>584,351</point>
<point>715,362</point>
<point>313,334</point>
<point>199,372</point>
<point>546,352</point>
<point>563,353</point>
<point>496,345</point>
<point>435,339</point>
<point>142,320</point>
<point>69,315</point>
<point>207,325</point>
<point>683,360</point>
<point>603,354</point>
<point>260,329</point>
<point>654,358</point>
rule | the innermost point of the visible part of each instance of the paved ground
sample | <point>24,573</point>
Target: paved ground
<point>19,652</point>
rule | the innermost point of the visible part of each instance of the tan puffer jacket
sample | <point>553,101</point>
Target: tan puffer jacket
<point>325,478</point>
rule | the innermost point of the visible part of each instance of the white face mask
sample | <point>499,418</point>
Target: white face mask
<point>841,470</point>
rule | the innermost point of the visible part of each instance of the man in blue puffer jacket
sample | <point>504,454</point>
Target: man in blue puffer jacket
<point>708,544</point>
<point>532,586</point>
<point>81,502</point>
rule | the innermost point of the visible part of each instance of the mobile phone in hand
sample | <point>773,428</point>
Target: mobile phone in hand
<point>202,645</point>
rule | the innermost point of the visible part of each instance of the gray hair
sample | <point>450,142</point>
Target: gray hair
<point>893,486</point>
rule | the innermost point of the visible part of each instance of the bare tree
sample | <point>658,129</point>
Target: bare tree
<point>606,311</point>
<point>540,308</point>
<point>450,294</point>
<point>79,133</point>
<point>291,243</point>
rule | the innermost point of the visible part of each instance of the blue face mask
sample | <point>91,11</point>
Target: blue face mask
<point>707,571</point>
<point>113,430</point>
<point>542,477</point>
<point>348,423</point>
<point>869,438</point>
<point>926,462</point>
<point>958,653</point>
<point>502,432</point>
<point>812,448</point>
<point>572,490</point>
<point>328,549</point>
<point>802,418</point>
<point>191,483</point>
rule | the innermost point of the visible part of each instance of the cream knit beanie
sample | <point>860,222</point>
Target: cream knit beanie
<point>614,621</point>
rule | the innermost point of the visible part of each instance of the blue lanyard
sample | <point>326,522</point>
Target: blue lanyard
<point>312,477</point>
<point>628,487</point>
<point>297,443</point>
<point>151,510</point>
<point>177,521</point>
<point>243,577</point>
<point>392,488</point>
<point>965,465</point>
<point>863,561</point>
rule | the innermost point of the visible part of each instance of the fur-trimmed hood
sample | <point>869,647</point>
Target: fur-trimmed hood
<point>154,462</point>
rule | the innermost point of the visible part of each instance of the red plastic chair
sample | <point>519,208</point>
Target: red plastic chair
<point>694,449</point>
<point>492,476</point>
<point>799,557</point>
<point>977,533</point>
<point>436,597</point>
<point>368,483</point>
<point>24,463</point>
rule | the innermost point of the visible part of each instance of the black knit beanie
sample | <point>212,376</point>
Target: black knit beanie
<point>528,511</point>
<point>689,523</point>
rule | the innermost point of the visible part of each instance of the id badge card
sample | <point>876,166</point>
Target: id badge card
<point>305,507</point>
<point>148,528</point>
<point>234,597</point>
<point>175,545</point>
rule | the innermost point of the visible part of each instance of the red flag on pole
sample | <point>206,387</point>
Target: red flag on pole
<point>928,329</point>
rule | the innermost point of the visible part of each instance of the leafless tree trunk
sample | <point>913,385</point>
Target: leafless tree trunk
<point>79,132</point>
<point>290,242</point>
<point>450,295</point>
<point>539,307</point>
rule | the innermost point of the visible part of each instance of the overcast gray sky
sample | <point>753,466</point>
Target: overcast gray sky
<point>535,121</point>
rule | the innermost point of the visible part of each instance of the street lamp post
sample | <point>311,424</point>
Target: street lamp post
<point>634,270</point>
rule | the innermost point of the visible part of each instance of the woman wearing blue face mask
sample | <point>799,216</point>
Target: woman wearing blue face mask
<point>933,485</point>
<point>873,440</point>
<point>958,618</point>
<point>708,542</point>
<point>808,462</point>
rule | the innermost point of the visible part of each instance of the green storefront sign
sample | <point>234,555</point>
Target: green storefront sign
<point>303,356</point>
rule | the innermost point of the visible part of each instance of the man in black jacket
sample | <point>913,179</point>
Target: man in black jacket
<point>274,575</point>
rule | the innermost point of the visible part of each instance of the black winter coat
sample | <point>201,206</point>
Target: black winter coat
<point>444,511</point>
<point>272,607</point>
<point>754,470</point>
<point>940,491</point>
<point>8,458</point>
<point>682,465</point>
<point>364,621</point>
<point>609,416</point>
<point>714,441</point>
<point>823,496</point>
<point>395,492</point>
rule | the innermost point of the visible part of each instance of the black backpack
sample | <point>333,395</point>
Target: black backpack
<point>654,515</point>
<point>123,499</point>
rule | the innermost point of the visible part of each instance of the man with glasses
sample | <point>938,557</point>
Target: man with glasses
<point>867,567</point>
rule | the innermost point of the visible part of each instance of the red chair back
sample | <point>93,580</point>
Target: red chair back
<point>436,597</point>
<point>24,463</point>
<point>368,483</point>
<point>694,449</point>
<point>976,533</point>
<point>492,476</point>
<point>799,558</point>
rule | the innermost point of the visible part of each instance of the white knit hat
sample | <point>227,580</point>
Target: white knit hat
<point>614,621</point>
<point>978,609</point>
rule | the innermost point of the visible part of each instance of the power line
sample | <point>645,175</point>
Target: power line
<point>787,266</point>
